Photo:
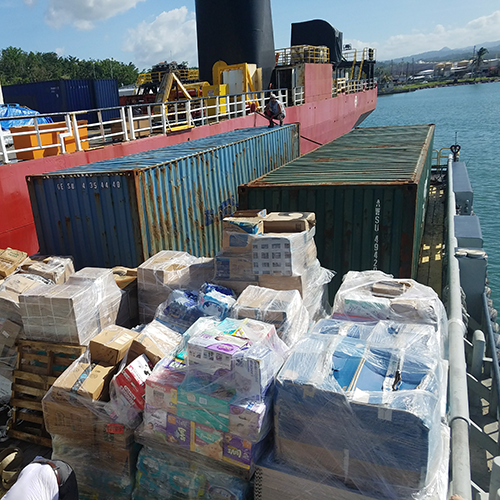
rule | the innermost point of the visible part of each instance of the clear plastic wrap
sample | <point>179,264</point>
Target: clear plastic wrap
<point>363,403</point>
<point>180,310</point>
<point>283,309</point>
<point>376,295</point>
<point>166,271</point>
<point>215,397</point>
<point>9,332</point>
<point>55,269</point>
<point>164,476</point>
<point>74,312</point>
<point>92,409</point>
<point>10,290</point>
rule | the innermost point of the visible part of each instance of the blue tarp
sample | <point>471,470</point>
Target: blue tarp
<point>14,110</point>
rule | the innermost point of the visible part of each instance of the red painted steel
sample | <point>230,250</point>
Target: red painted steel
<point>320,121</point>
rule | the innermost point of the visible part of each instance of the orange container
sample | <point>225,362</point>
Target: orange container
<point>47,136</point>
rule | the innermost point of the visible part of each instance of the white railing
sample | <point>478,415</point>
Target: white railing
<point>71,132</point>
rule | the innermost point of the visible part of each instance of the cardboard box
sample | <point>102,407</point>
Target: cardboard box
<point>70,381</point>
<point>240,452</point>
<point>10,259</point>
<point>179,432</point>
<point>119,461</point>
<point>143,344</point>
<point>124,276</point>
<point>56,269</point>
<point>111,345</point>
<point>96,384</point>
<point>248,418</point>
<point>155,421</point>
<point>157,271</point>
<point>162,386</point>
<point>109,432</point>
<point>132,380</point>
<point>283,282</point>
<point>9,332</point>
<point>234,268</point>
<point>65,419</point>
<point>289,222</point>
<point>246,225</point>
<point>206,441</point>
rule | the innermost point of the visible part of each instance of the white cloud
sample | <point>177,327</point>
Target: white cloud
<point>170,37</point>
<point>84,13</point>
<point>482,29</point>
<point>60,51</point>
<point>30,3</point>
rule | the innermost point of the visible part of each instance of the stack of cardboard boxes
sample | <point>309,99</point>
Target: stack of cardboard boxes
<point>276,251</point>
<point>166,271</point>
<point>211,403</point>
<point>73,312</point>
<point>92,409</point>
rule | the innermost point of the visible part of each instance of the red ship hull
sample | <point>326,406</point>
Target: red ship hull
<point>322,119</point>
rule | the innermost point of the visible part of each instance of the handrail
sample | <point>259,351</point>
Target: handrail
<point>458,404</point>
<point>132,122</point>
<point>492,348</point>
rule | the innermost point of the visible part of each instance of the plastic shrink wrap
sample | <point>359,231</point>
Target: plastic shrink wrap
<point>73,312</point>
<point>353,405</point>
<point>165,476</point>
<point>183,307</point>
<point>379,296</point>
<point>213,400</point>
<point>283,309</point>
<point>279,261</point>
<point>11,289</point>
<point>55,269</point>
<point>166,271</point>
<point>92,409</point>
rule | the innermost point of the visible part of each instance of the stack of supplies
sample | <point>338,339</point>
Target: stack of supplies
<point>283,309</point>
<point>9,332</point>
<point>92,409</point>
<point>55,269</point>
<point>213,399</point>
<point>382,384</point>
<point>274,251</point>
<point>167,271</point>
<point>73,312</point>
<point>184,307</point>
<point>10,291</point>
<point>10,260</point>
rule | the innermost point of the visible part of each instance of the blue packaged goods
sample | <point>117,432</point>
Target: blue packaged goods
<point>180,311</point>
<point>20,116</point>
<point>164,475</point>
<point>386,403</point>
<point>215,300</point>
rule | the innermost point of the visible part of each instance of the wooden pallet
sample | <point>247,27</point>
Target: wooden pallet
<point>38,365</point>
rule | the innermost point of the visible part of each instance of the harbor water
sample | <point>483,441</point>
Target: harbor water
<point>471,113</point>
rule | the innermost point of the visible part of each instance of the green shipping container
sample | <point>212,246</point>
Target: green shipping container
<point>369,190</point>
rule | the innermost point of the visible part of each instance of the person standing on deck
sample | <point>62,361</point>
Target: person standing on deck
<point>45,479</point>
<point>274,109</point>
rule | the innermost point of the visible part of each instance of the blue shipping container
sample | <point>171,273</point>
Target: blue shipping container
<point>66,95</point>
<point>124,210</point>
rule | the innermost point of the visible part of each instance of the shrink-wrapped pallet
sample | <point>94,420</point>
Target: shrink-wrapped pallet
<point>92,409</point>
<point>162,475</point>
<point>73,312</point>
<point>214,398</point>
<point>384,389</point>
<point>283,309</point>
<point>166,271</point>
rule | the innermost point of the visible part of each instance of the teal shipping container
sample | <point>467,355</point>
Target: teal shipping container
<point>124,210</point>
<point>369,189</point>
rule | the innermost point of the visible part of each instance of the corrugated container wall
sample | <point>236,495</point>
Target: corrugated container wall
<point>122,211</point>
<point>369,190</point>
<point>65,95</point>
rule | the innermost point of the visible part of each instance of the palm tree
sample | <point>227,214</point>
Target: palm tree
<point>478,60</point>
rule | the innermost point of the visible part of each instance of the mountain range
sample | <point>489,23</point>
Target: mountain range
<point>447,54</point>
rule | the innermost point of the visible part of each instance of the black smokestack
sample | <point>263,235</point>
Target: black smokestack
<point>235,31</point>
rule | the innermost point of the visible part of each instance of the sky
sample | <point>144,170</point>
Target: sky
<point>146,32</point>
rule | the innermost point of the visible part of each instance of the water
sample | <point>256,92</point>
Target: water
<point>473,113</point>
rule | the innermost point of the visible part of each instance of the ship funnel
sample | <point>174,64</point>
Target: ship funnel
<point>235,32</point>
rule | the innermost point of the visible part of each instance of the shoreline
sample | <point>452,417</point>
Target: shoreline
<point>403,90</point>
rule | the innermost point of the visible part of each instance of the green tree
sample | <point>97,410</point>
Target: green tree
<point>478,60</point>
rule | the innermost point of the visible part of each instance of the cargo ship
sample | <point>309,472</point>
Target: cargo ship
<point>405,215</point>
